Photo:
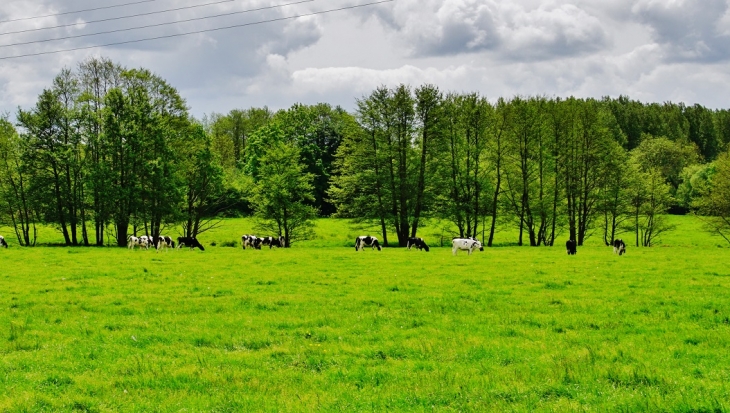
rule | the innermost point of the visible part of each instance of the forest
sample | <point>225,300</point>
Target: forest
<point>107,152</point>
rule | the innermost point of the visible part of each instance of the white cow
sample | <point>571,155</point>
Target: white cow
<point>146,241</point>
<point>133,241</point>
<point>465,244</point>
<point>3,243</point>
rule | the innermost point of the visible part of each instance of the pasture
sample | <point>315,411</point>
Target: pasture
<point>321,327</point>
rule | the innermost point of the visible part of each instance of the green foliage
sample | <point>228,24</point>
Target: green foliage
<point>317,131</point>
<point>695,183</point>
<point>669,157</point>
<point>714,201</point>
<point>231,133</point>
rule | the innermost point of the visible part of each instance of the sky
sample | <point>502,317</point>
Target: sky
<point>650,50</point>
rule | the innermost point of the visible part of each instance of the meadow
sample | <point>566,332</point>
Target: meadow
<point>321,327</point>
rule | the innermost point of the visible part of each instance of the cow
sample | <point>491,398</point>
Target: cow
<point>418,243</point>
<point>619,247</point>
<point>571,246</point>
<point>146,241</point>
<point>142,242</point>
<point>3,243</point>
<point>366,241</point>
<point>132,242</point>
<point>465,244</point>
<point>189,242</point>
<point>273,242</point>
<point>251,241</point>
<point>164,242</point>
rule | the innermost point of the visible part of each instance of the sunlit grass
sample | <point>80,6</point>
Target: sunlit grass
<point>320,326</point>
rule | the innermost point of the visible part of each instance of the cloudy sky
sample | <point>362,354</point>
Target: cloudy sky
<point>652,50</point>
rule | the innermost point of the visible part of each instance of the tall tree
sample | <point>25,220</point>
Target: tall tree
<point>497,150</point>
<point>430,118</point>
<point>16,205</point>
<point>525,176</point>
<point>204,187</point>
<point>467,122</point>
<point>53,146</point>
<point>145,127</point>
<point>586,163</point>
<point>282,194</point>
<point>96,78</point>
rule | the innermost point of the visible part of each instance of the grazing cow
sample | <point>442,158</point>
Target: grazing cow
<point>146,241</point>
<point>132,242</point>
<point>571,246</point>
<point>418,243</point>
<point>619,247</point>
<point>465,244</point>
<point>273,242</point>
<point>251,241</point>
<point>164,242</point>
<point>279,242</point>
<point>3,243</point>
<point>189,242</point>
<point>366,241</point>
<point>142,242</point>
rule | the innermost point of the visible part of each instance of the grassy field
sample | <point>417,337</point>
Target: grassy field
<point>321,327</point>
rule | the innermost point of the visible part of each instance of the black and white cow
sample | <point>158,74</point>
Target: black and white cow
<point>163,242</point>
<point>146,241</point>
<point>465,244</point>
<point>189,242</point>
<point>132,242</point>
<point>619,247</point>
<point>417,243</point>
<point>251,241</point>
<point>366,241</point>
<point>273,242</point>
<point>3,243</point>
<point>571,246</point>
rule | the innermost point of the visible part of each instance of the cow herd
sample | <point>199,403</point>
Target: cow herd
<point>469,245</point>
<point>162,242</point>
<point>251,241</point>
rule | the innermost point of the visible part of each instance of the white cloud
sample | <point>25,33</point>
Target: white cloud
<point>653,50</point>
<point>516,29</point>
<point>689,30</point>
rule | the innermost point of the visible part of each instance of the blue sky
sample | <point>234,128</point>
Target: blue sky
<point>652,50</point>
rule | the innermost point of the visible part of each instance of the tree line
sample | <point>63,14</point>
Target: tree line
<point>107,152</point>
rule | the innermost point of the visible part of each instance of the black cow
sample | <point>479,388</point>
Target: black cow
<point>619,247</point>
<point>273,242</point>
<point>571,246</point>
<point>366,241</point>
<point>3,243</point>
<point>418,243</point>
<point>189,242</point>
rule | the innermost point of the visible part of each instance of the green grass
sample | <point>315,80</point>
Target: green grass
<point>509,329</point>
